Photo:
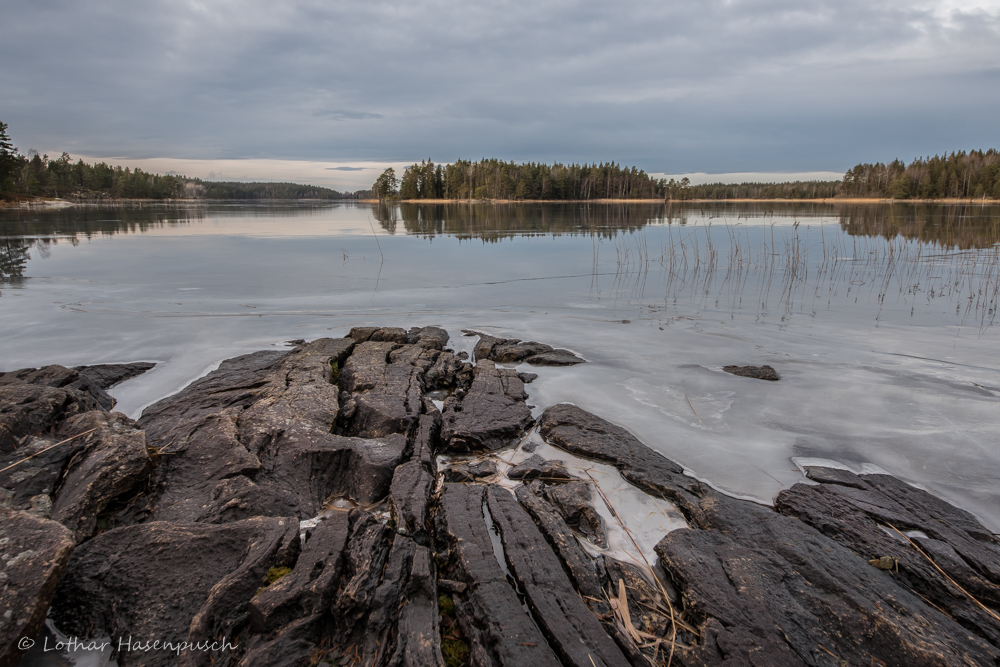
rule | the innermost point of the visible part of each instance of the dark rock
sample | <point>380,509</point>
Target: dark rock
<point>361,334</point>
<point>29,409</point>
<point>171,582</point>
<point>573,502</point>
<point>498,629</point>
<point>385,381</point>
<point>418,639</point>
<point>106,376</point>
<point>33,555</point>
<point>768,588</point>
<point>427,439</point>
<point>37,476</point>
<point>758,372</point>
<point>556,357</point>
<point>449,586</point>
<point>535,467</point>
<point>295,342</point>
<point>412,486</point>
<point>470,472</point>
<point>448,372</point>
<point>434,338</point>
<point>254,438</point>
<point>311,585</point>
<point>59,377</point>
<point>587,574</point>
<point>491,415</point>
<point>857,513</point>
<point>834,476</point>
<point>575,632</point>
<point>111,464</point>
<point>514,351</point>
<point>389,335</point>
<point>528,378</point>
<point>294,646</point>
<point>583,434</point>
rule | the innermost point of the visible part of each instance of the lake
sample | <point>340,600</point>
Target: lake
<point>879,319</point>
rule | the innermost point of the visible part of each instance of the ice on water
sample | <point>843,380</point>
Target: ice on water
<point>884,362</point>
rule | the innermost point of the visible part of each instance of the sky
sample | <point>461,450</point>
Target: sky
<point>333,92</point>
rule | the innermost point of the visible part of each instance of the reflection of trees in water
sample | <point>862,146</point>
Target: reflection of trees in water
<point>962,226</point>
<point>494,222</point>
<point>25,229</point>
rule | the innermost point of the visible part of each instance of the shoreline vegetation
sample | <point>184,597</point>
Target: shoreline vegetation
<point>958,177</point>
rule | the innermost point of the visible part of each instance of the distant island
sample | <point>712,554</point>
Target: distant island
<point>958,175</point>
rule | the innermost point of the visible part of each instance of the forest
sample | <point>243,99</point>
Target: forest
<point>37,175</point>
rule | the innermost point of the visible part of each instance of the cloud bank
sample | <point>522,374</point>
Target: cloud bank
<point>673,87</point>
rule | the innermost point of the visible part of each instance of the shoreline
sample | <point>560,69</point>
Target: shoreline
<point>65,203</point>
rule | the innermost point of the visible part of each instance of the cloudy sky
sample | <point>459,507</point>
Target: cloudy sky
<point>247,88</point>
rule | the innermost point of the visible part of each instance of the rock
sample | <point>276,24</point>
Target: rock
<point>513,351</point>
<point>411,490</point>
<point>572,501</point>
<point>60,377</point>
<point>770,588</point>
<point>311,585</point>
<point>574,631</point>
<point>427,439</point>
<point>37,476</point>
<point>254,438</point>
<point>361,334</point>
<point>171,582</point>
<point>293,646</point>
<point>110,466</point>
<point>528,378</point>
<point>470,472</point>
<point>389,335</point>
<point>758,372</point>
<point>106,376</point>
<point>856,512</point>
<point>34,553</point>
<point>491,415</point>
<point>30,409</point>
<point>385,382</point>
<point>834,476</point>
<point>587,574</point>
<point>434,338</point>
<point>418,639</point>
<point>498,629</point>
<point>449,586</point>
<point>448,372</point>
<point>535,467</point>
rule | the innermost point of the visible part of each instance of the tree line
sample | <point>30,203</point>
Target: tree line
<point>958,175</point>
<point>531,181</point>
<point>35,175</point>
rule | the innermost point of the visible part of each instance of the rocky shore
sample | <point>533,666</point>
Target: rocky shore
<point>352,502</point>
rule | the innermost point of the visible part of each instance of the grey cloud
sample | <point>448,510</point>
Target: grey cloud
<point>346,168</point>
<point>736,85</point>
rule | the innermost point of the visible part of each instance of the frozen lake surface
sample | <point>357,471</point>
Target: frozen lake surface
<point>878,319</point>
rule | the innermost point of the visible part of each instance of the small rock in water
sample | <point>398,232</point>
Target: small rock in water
<point>759,372</point>
<point>535,467</point>
<point>470,472</point>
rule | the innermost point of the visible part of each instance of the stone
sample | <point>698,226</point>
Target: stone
<point>498,629</point>
<point>535,467</point>
<point>60,377</point>
<point>385,383</point>
<point>34,554</point>
<point>108,375</point>
<point>311,585</point>
<point>491,415</point>
<point>111,465</point>
<point>410,493</point>
<point>757,372</point>
<point>173,582</point>
<point>470,472</point>
<point>515,351</point>
<point>34,410</point>
<point>574,630</point>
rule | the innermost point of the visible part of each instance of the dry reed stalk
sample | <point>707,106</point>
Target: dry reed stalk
<point>945,574</point>
<point>48,448</point>
<point>652,573</point>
